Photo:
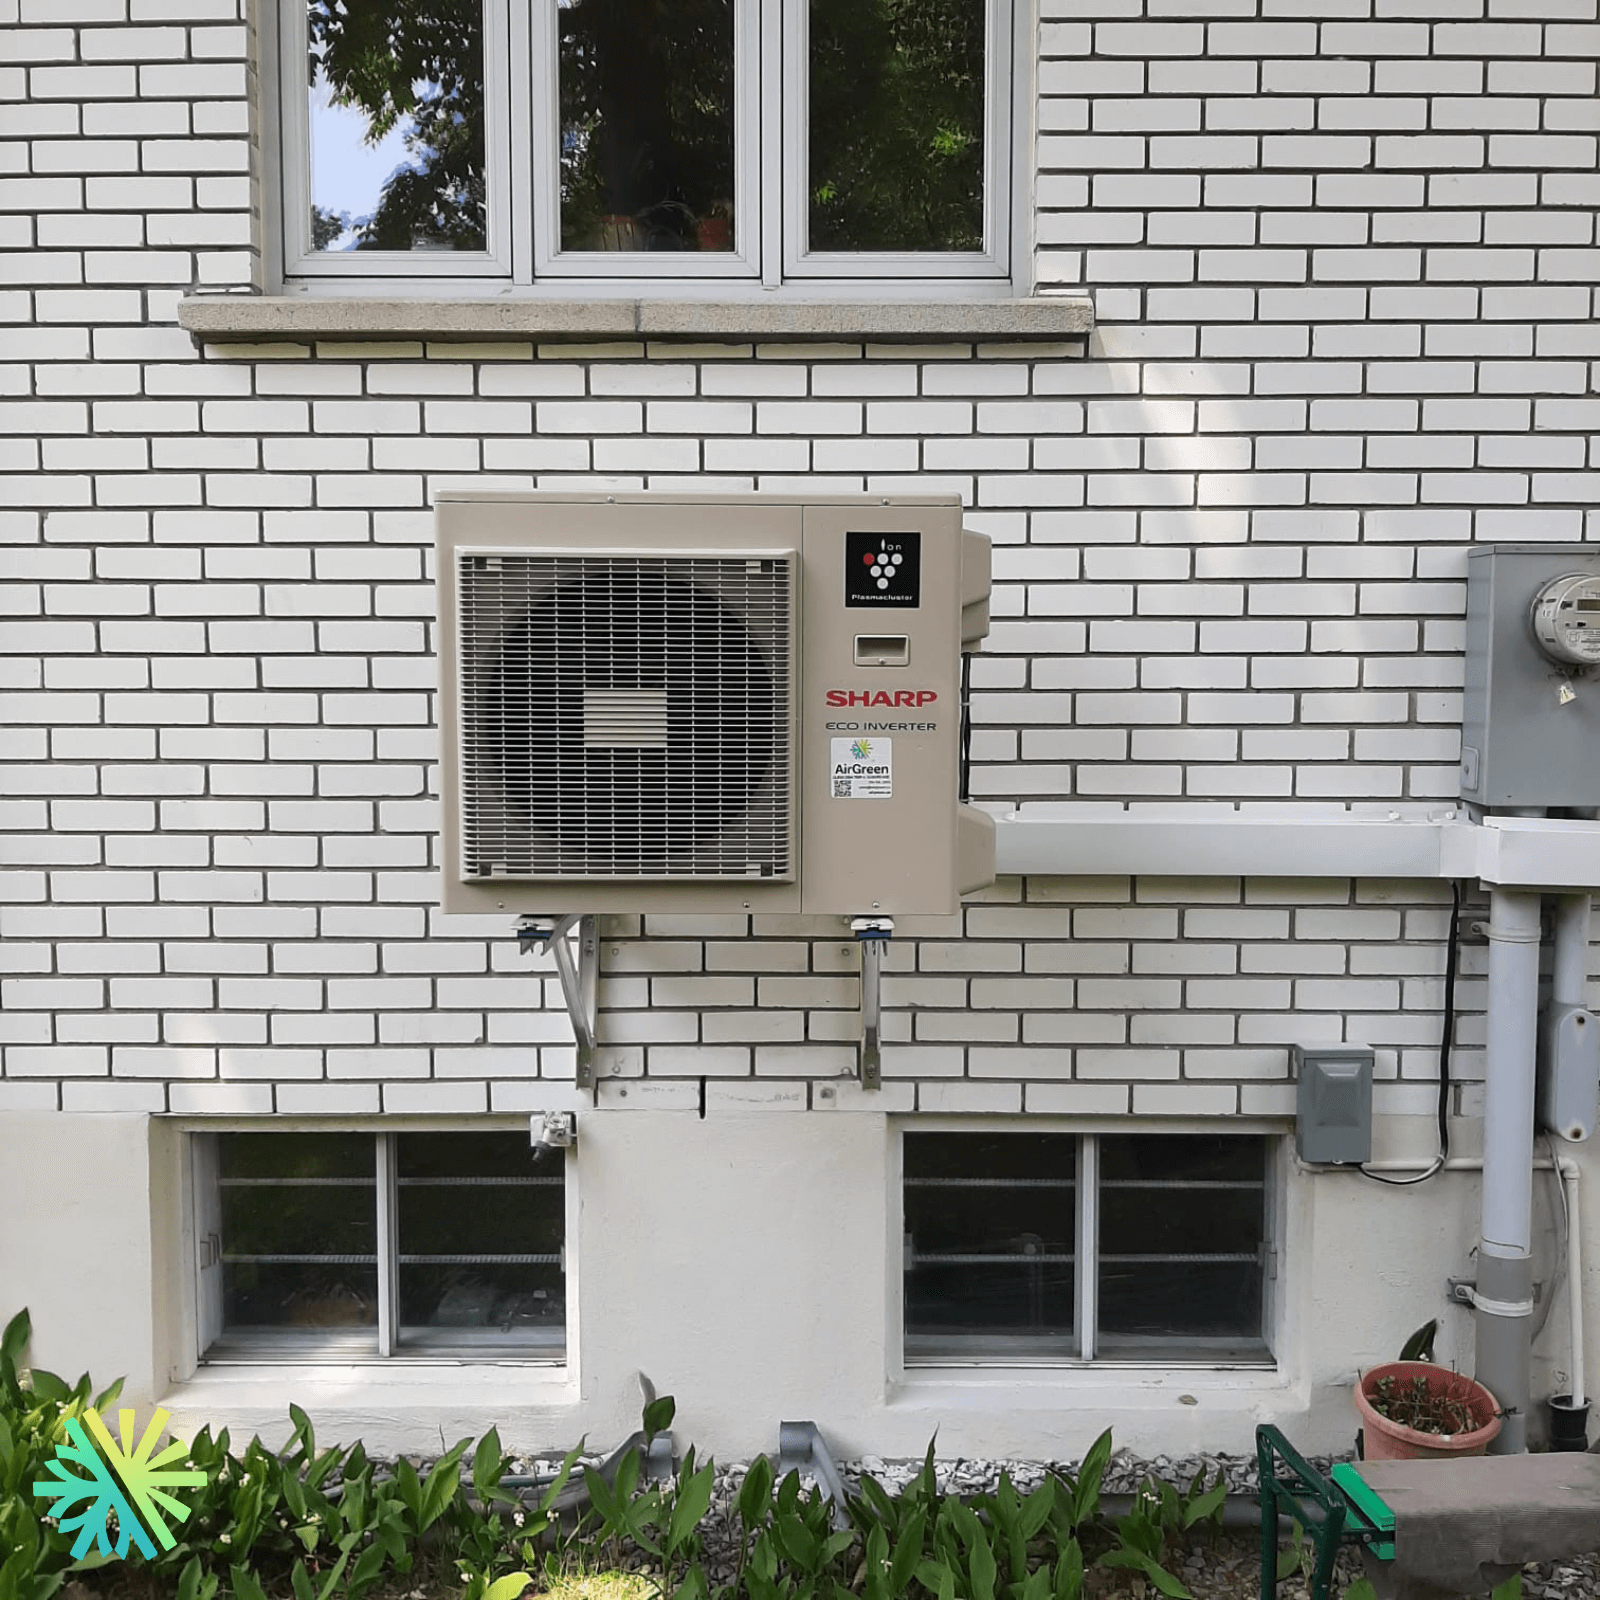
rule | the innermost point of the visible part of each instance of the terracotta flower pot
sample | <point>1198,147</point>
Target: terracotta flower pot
<point>714,233</point>
<point>1384,1440</point>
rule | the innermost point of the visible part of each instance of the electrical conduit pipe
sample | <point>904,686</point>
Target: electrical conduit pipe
<point>1569,982</point>
<point>1569,978</point>
<point>1569,1171</point>
<point>1504,1297</point>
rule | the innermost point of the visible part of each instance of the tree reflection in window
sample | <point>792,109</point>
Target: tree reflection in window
<point>896,125</point>
<point>412,67</point>
<point>646,127</point>
<point>647,95</point>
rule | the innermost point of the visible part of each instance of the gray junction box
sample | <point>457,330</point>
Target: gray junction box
<point>1530,731</point>
<point>1333,1103</point>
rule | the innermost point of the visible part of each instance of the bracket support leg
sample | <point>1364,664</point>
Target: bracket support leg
<point>874,933</point>
<point>580,976</point>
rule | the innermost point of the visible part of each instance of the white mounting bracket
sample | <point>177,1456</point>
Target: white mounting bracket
<point>874,933</point>
<point>580,976</point>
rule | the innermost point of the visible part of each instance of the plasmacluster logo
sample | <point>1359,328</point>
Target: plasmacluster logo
<point>883,569</point>
<point>881,566</point>
<point>119,1482</point>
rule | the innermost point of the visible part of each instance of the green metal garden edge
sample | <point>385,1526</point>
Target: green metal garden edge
<point>1330,1509</point>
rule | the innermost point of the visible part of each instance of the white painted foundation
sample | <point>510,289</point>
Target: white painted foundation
<point>77,1247</point>
<point>748,1262</point>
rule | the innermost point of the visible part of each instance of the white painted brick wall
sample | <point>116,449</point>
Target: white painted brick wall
<point>1344,264</point>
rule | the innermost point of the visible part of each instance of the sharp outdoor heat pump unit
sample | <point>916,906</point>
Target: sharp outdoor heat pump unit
<point>682,703</point>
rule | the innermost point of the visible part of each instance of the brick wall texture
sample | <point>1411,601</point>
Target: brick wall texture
<point>1344,262</point>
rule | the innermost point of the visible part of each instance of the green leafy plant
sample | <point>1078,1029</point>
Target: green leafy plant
<point>325,1523</point>
<point>1142,1538</point>
<point>316,1522</point>
<point>1017,1522</point>
<point>35,1555</point>
<point>1419,1347</point>
<point>485,1552</point>
<point>1077,1499</point>
<point>1296,1556</point>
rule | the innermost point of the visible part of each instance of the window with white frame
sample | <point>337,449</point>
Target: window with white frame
<point>1045,1248</point>
<point>635,143</point>
<point>349,1246</point>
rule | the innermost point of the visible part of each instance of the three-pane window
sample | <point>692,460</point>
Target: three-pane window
<point>1035,1247</point>
<point>354,1245</point>
<point>629,140</point>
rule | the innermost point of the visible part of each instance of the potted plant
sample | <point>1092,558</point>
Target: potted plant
<point>1415,1410</point>
<point>714,230</point>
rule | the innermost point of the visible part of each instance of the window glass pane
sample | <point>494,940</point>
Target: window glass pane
<point>989,1229</point>
<point>896,124</point>
<point>299,1231</point>
<point>646,132</point>
<point>397,125</point>
<point>1182,1223</point>
<point>480,1231</point>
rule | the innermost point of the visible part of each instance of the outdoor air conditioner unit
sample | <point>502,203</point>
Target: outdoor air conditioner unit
<point>691,703</point>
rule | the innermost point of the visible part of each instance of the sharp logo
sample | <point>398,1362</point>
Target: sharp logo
<point>881,697</point>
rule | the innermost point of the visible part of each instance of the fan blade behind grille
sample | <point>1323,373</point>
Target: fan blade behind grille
<point>625,716</point>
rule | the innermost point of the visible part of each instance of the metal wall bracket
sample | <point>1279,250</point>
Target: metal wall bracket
<point>874,933</point>
<point>801,1449</point>
<point>1464,1291</point>
<point>580,976</point>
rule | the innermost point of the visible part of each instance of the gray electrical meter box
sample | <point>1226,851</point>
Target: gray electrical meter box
<point>1530,732</point>
<point>1333,1102</point>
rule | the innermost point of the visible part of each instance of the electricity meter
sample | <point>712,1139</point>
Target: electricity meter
<point>1566,619</point>
<point>1530,719</point>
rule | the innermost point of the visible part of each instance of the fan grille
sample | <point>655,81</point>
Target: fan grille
<point>625,716</point>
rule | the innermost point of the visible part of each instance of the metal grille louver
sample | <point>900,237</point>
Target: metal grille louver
<point>625,716</point>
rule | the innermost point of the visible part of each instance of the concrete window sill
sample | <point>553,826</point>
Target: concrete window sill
<point>394,1407</point>
<point>257,319</point>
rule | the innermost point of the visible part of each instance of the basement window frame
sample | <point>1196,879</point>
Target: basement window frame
<point>386,1343</point>
<point>1003,1351</point>
<point>522,140</point>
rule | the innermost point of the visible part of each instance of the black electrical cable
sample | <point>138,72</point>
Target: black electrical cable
<point>1446,1040</point>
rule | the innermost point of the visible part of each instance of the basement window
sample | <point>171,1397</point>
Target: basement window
<point>1042,1248</point>
<point>357,1246</point>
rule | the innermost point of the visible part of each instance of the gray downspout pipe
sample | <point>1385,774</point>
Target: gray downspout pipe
<point>1504,1296</point>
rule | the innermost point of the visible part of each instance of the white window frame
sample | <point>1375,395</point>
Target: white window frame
<point>206,1246</point>
<point>1086,1247</point>
<point>800,261</point>
<point>293,145</point>
<point>770,203</point>
<point>551,261</point>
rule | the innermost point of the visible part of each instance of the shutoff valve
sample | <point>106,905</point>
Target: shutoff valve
<point>555,1130</point>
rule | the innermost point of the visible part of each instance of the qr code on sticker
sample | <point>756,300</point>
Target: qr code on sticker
<point>841,788</point>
